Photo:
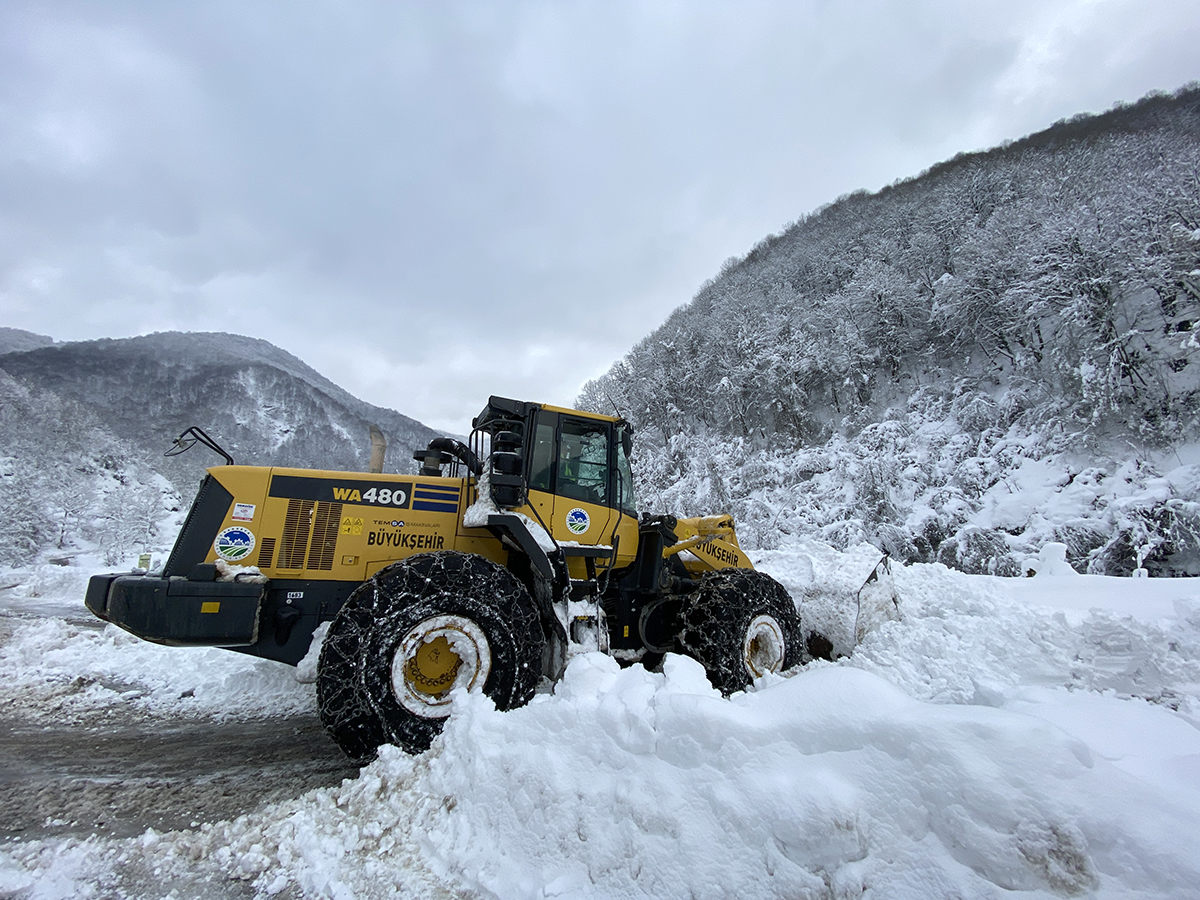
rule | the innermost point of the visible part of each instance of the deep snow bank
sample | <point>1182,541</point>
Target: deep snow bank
<point>982,743</point>
<point>634,784</point>
<point>57,661</point>
<point>833,783</point>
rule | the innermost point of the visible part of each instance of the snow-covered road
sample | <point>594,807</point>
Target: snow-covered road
<point>1039,736</point>
<point>116,779</point>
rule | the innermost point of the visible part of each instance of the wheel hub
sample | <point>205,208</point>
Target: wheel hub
<point>764,647</point>
<point>437,655</point>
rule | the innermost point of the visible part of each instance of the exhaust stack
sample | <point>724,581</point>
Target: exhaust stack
<point>378,448</point>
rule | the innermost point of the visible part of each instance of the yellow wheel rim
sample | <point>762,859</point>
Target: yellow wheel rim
<point>432,668</point>
<point>437,655</point>
<point>763,647</point>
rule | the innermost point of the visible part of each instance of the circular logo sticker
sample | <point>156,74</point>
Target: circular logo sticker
<point>578,521</point>
<point>234,543</point>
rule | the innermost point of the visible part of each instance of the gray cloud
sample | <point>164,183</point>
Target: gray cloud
<point>433,202</point>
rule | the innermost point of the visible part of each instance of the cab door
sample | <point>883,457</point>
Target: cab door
<point>542,455</point>
<point>582,482</point>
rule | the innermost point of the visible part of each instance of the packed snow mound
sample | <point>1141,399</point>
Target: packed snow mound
<point>52,668</point>
<point>964,639</point>
<point>626,783</point>
<point>822,784</point>
<point>1001,735</point>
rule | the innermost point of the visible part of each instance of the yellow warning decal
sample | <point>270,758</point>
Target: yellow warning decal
<point>210,606</point>
<point>352,525</point>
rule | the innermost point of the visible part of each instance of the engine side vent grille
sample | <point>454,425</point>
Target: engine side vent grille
<point>296,525</point>
<point>266,553</point>
<point>325,534</point>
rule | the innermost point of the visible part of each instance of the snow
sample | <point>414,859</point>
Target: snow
<point>245,574</point>
<point>1153,600</point>
<point>306,669</point>
<point>52,665</point>
<point>1039,735</point>
<point>1051,561</point>
<point>476,515</point>
<point>831,779</point>
<point>58,661</point>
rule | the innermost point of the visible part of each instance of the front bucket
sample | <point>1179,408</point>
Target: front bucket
<point>876,600</point>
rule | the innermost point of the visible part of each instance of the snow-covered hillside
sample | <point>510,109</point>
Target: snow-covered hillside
<point>84,425</point>
<point>1038,735</point>
<point>896,365</point>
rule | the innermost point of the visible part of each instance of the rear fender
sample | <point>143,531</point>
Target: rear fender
<point>548,568</point>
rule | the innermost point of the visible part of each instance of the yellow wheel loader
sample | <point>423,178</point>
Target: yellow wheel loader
<point>485,571</point>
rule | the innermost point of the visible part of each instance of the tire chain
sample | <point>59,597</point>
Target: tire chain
<point>344,710</point>
<point>354,673</point>
<point>717,615</point>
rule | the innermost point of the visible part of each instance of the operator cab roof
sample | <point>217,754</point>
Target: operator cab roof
<point>501,409</point>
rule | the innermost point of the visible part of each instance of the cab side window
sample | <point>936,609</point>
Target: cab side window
<point>583,461</point>
<point>541,464</point>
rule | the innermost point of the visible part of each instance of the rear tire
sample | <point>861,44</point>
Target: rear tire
<point>740,624</point>
<point>345,712</point>
<point>416,630</point>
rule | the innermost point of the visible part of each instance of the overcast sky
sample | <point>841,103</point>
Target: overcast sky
<point>433,202</point>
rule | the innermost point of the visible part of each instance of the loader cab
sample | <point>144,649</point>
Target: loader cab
<point>582,459</point>
<point>576,478</point>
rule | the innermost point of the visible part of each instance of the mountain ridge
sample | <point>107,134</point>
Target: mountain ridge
<point>206,355</point>
<point>888,366</point>
<point>17,340</point>
<point>84,426</point>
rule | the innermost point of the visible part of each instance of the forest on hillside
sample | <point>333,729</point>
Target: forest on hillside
<point>84,427</point>
<point>66,481</point>
<point>898,365</point>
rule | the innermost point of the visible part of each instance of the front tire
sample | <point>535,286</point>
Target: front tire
<point>740,624</point>
<point>411,634</point>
